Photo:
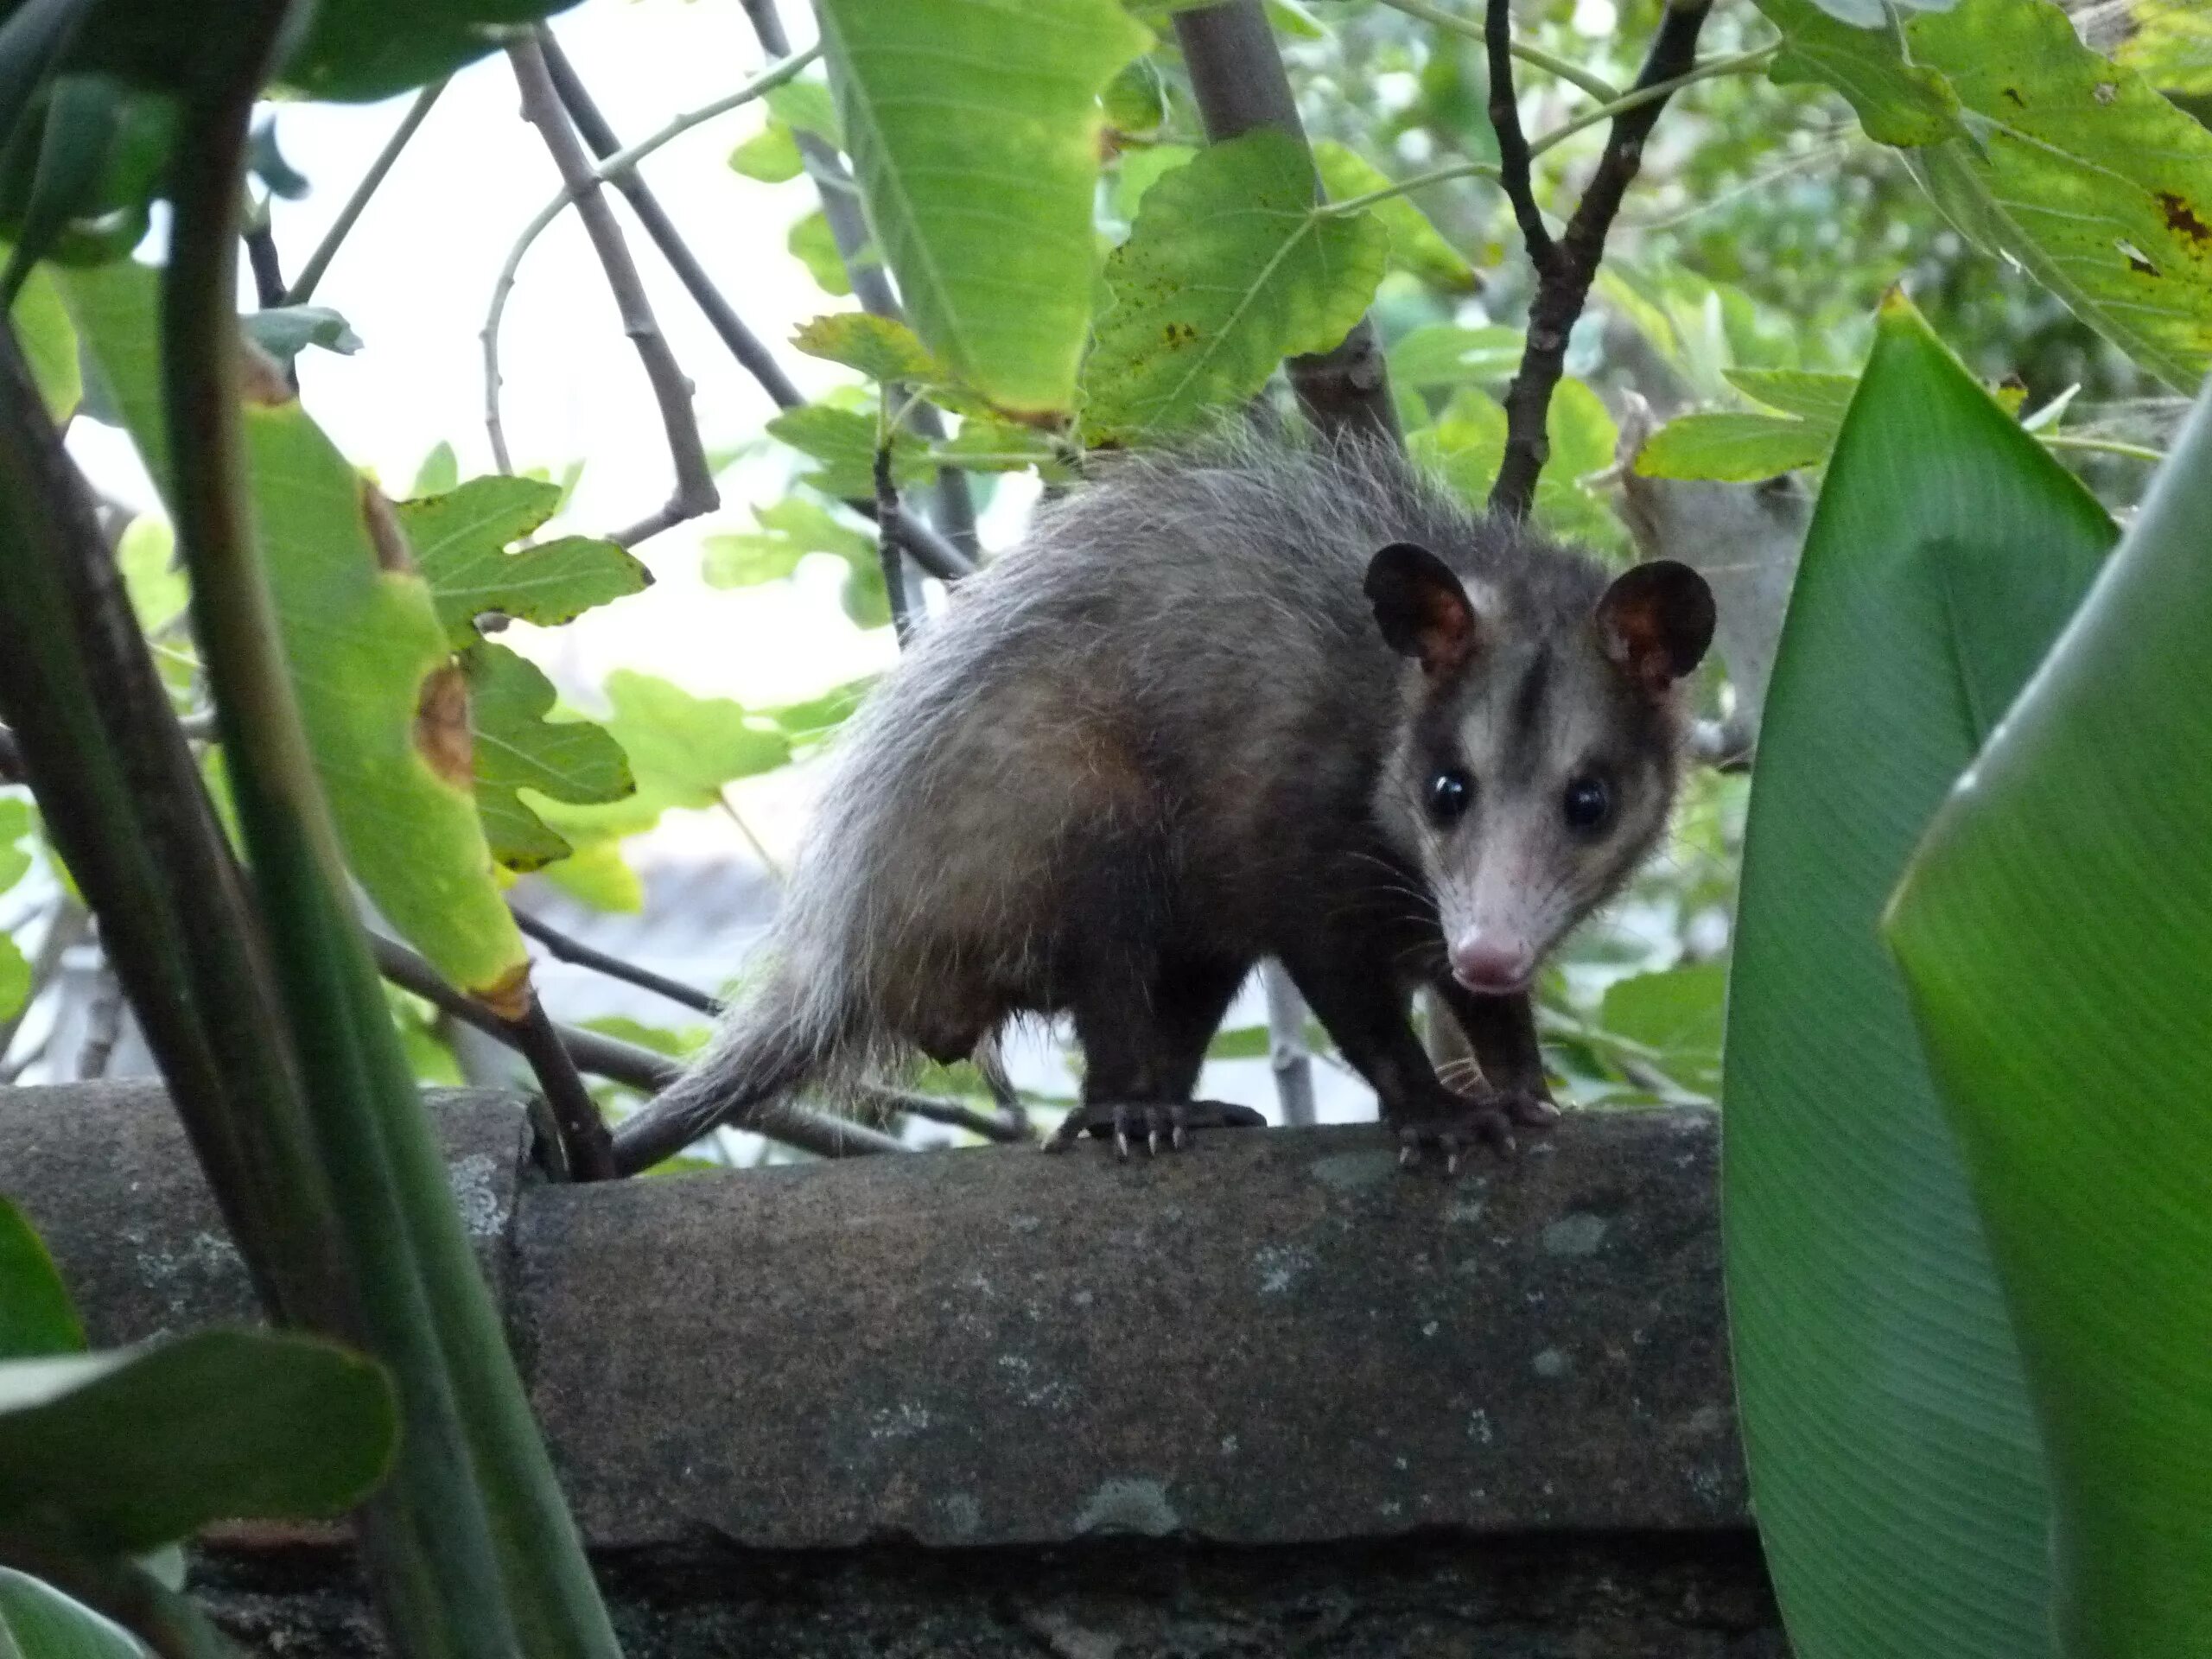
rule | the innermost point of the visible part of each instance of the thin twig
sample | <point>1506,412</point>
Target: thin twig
<point>633,1067</point>
<point>1287,1055</point>
<point>1002,1127</point>
<point>586,1147</point>
<point>303,286</point>
<point>744,345</point>
<point>694,492</point>
<point>584,955</point>
<point>1536,57</point>
<point>615,166</point>
<point>1512,144</point>
<point>889,531</point>
<point>1565,270</point>
<point>268,269</point>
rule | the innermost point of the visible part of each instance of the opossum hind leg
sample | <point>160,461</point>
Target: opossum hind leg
<point>1144,1039</point>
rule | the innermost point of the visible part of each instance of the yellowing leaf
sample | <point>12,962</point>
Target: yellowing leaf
<point>1230,268</point>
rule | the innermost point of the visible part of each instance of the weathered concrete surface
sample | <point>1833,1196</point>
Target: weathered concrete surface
<point>1345,1411</point>
<point>1275,1337</point>
<point>106,1176</point>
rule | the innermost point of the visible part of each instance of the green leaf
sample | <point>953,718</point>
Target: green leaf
<point>1443,355</point>
<point>15,827</point>
<point>121,1451</point>
<point>1734,449</point>
<point>38,1622</point>
<point>1135,100</point>
<point>678,1043</point>
<point>683,750</point>
<point>461,540</point>
<point>2081,828</point>
<point>974,128</point>
<point>1893,1465</point>
<point>147,555</point>
<point>439,472</point>
<point>1137,170</point>
<point>1676,1016</point>
<point>1229,270</point>
<point>1466,443</point>
<point>985,445</point>
<point>48,343</point>
<point>770,155</point>
<point>1801,393</point>
<point>285,331</point>
<point>2076,168</point>
<point>790,529</point>
<point>843,441</point>
<point>882,348</point>
<point>1415,244</point>
<point>15,978</point>
<point>1244,1043</point>
<point>811,242</point>
<point>806,106</point>
<point>815,718</point>
<point>36,1316</point>
<point>595,874</point>
<point>516,747</point>
<point>1897,102</point>
<point>384,705</point>
<point>364,50</point>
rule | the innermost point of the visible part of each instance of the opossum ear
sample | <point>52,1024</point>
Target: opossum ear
<point>1422,609</point>
<point>1655,621</point>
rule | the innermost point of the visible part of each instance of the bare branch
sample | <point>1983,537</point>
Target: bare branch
<point>1512,143</point>
<point>744,345</point>
<point>1287,1052</point>
<point>1238,77</point>
<point>1003,1127</point>
<point>626,1064</point>
<point>1563,278</point>
<point>694,492</point>
<point>890,528</point>
<point>586,1147</point>
<point>268,269</point>
<point>584,955</point>
<point>303,286</point>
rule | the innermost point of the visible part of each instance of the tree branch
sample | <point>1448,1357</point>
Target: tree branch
<point>744,345</point>
<point>303,286</point>
<point>1238,77</point>
<point>268,269</point>
<point>1512,143</point>
<point>694,492</point>
<point>1003,1127</point>
<point>890,528</point>
<point>1563,280</point>
<point>586,1147</point>
<point>626,1064</point>
<point>566,949</point>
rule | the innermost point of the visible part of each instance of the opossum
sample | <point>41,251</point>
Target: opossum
<point>1244,699</point>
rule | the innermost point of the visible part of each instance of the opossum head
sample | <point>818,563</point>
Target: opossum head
<point>1540,742</point>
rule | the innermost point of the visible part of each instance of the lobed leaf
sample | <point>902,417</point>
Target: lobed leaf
<point>461,540</point>
<point>1230,269</point>
<point>516,747</point>
<point>2055,927</point>
<point>973,130</point>
<point>1895,1468</point>
<point>682,751</point>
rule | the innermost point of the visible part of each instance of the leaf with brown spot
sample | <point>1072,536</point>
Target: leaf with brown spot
<point>386,710</point>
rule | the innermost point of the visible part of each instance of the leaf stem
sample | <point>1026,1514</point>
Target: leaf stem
<point>1536,57</point>
<point>2101,446</point>
<point>303,285</point>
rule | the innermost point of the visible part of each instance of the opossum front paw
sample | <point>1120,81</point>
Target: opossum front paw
<point>1457,1126</point>
<point>1153,1122</point>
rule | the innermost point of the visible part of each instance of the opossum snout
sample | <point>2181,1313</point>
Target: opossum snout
<point>1493,964</point>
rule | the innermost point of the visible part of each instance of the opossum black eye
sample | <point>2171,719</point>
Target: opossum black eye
<point>1588,804</point>
<point>1450,792</point>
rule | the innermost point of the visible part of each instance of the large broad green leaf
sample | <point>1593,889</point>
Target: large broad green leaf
<point>36,1315</point>
<point>682,751</point>
<point>385,705</point>
<point>974,130</point>
<point>2057,926</point>
<point>1415,244</point>
<point>1894,1466</point>
<point>1230,268</point>
<point>49,342</point>
<point>2040,148</point>
<point>367,49</point>
<point>121,1451</point>
<point>1733,448</point>
<point>461,540</point>
<point>517,748</point>
<point>39,1622</point>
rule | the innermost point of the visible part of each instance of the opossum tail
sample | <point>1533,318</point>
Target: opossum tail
<point>777,1039</point>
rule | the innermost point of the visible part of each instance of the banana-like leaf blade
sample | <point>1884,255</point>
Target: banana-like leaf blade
<point>1894,1465</point>
<point>2057,928</point>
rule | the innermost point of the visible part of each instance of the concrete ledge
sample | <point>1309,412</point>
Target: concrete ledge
<point>1273,1344</point>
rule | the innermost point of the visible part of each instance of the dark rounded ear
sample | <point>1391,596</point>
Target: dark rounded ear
<point>1655,621</point>
<point>1422,607</point>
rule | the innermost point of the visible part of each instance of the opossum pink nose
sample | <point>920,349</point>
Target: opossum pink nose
<point>1493,966</point>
